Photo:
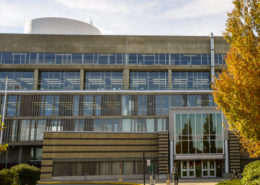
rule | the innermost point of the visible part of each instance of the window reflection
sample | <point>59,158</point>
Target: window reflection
<point>103,80</point>
<point>190,80</point>
<point>148,80</point>
<point>109,58</point>
<point>25,130</point>
<point>59,80</point>
<point>197,133</point>
<point>16,80</point>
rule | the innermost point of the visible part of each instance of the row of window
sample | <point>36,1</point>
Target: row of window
<point>109,59</point>
<point>198,133</point>
<point>184,80</point>
<point>32,130</point>
<point>99,105</point>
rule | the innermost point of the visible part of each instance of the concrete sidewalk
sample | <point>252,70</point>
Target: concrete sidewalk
<point>186,181</point>
<point>160,182</point>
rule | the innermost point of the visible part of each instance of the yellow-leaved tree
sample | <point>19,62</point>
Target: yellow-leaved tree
<point>3,147</point>
<point>237,89</point>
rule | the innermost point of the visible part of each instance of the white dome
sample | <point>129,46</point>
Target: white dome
<point>60,26</point>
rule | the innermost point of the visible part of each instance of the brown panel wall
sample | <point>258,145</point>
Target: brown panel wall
<point>83,146</point>
<point>234,152</point>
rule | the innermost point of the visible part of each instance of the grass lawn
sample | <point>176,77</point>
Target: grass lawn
<point>232,182</point>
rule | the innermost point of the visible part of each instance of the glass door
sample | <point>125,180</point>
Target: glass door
<point>188,169</point>
<point>209,168</point>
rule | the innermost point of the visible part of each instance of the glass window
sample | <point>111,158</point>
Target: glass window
<point>76,58</point>
<point>142,105</point>
<point>148,80</point>
<point>220,59</point>
<point>13,106</point>
<point>49,58</point>
<point>89,58</point>
<point>97,105</point>
<point>132,59</point>
<point>185,126</point>
<point>25,130</point>
<point>14,130</point>
<point>103,80</point>
<point>75,105</point>
<point>219,124</point>
<point>190,80</point>
<point>161,125</point>
<point>205,59</point>
<point>59,80</point>
<point>192,125</point>
<point>126,102</point>
<point>48,106</point>
<point>178,126</point>
<point>98,125</point>
<point>196,133</point>
<point>88,105</point>
<point>56,105</point>
<point>16,80</point>
<point>32,134</point>
<point>41,125</point>
<point>150,125</point>
<point>126,125</point>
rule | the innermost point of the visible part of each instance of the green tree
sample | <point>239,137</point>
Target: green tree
<point>4,146</point>
<point>237,89</point>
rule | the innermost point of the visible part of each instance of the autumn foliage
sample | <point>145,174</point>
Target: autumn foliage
<point>237,89</point>
<point>4,146</point>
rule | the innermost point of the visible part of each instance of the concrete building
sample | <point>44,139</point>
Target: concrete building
<point>95,104</point>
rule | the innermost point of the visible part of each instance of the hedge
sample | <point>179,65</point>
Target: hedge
<point>251,174</point>
<point>232,182</point>
<point>22,174</point>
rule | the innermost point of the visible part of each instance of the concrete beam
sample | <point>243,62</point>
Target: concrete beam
<point>109,44</point>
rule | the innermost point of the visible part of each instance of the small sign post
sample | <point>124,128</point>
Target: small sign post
<point>152,182</point>
<point>120,179</point>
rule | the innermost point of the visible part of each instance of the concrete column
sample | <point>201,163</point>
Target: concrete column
<point>171,157</point>
<point>226,157</point>
<point>82,79</point>
<point>212,54</point>
<point>36,79</point>
<point>169,79</point>
<point>20,155</point>
<point>126,79</point>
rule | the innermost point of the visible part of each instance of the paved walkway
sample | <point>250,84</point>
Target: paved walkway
<point>161,182</point>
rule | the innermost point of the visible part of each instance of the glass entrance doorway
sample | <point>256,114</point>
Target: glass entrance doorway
<point>209,168</point>
<point>187,169</point>
<point>198,168</point>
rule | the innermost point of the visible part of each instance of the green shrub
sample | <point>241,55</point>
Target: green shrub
<point>25,174</point>
<point>6,177</point>
<point>251,174</point>
<point>232,182</point>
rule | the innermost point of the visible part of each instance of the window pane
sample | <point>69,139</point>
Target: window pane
<point>40,129</point>
<point>59,80</point>
<point>148,80</point>
<point>190,80</point>
<point>25,130</point>
<point>16,80</point>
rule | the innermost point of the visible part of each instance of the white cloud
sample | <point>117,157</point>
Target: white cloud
<point>199,8</point>
<point>130,17</point>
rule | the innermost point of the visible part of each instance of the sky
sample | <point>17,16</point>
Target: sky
<point>124,17</point>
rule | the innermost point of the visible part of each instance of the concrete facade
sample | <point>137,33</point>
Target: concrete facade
<point>158,144</point>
